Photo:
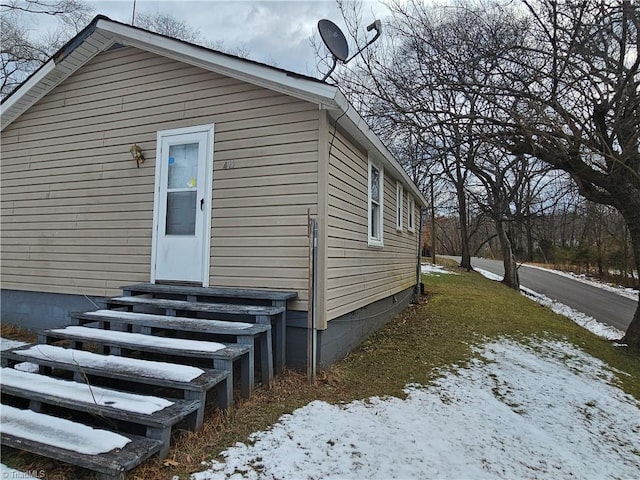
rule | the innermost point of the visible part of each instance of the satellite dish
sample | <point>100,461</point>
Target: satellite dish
<point>336,42</point>
<point>334,39</point>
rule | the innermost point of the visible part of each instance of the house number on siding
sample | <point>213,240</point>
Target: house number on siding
<point>229,164</point>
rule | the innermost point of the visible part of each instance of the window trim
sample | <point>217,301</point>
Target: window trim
<point>399,206</point>
<point>375,241</point>
<point>411,213</point>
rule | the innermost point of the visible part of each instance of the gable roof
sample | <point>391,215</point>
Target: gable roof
<point>103,33</point>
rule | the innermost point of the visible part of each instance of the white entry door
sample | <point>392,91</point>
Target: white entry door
<point>182,205</point>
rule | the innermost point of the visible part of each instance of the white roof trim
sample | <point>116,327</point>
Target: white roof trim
<point>234,67</point>
<point>288,83</point>
<point>26,87</point>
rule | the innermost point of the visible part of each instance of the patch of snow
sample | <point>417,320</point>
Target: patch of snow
<point>151,316</point>
<point>59,432</point>
<point>623,291</point>
<point>143,368</point>
<point>6,344</point>
<point>131,402</point>
<point>27,367</point>
<point>582,319</point>
<point>544,411</point>
<point>435,270</point>
<point>488,274</point>
<point>140,339</point>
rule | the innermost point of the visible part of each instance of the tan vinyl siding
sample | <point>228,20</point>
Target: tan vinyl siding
<point>357,273</point>
<point>77,214</point>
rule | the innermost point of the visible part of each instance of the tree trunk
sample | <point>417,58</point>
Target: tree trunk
<point>465,261</point>
<point>632,217</point>
<point>632,337</point>
<point>510,279</point>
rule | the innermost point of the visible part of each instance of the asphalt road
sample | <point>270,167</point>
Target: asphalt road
<point>606,307</point>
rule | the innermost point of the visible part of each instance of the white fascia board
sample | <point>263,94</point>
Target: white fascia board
<point>237,68</point>
<point>27,87</point>
<point>37,86</point>
<point>376,147</point>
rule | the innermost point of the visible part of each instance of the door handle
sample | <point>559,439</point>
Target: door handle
<point>201,204</point>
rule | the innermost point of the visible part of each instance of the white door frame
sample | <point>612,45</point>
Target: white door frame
<point>208,192</point>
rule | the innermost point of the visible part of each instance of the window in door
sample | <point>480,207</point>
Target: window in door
<point>182,180</point>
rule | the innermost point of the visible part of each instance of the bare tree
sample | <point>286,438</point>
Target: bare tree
<point>555,81</point>
<point>503,178</point>
<point>24,45</point>
<point>171,26</point>
<point>396,94</point>
<point>570,96</point>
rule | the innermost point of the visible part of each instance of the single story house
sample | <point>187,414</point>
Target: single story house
<point>234,158</point>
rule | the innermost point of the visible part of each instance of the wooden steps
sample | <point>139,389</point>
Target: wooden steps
<point>219,356</point>
<point>221,294</point>
<point>101,403</point>
<point>189,383</point>
<point>172,306</point>
<point>110,465</point>
<point>262,314</point>
<point>159,340</point>
<point>256,335</point>
<point>276,298</point>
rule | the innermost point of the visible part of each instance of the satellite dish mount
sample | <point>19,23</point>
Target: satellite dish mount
<point>336,42</point>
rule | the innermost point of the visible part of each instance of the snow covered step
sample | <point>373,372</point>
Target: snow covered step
<point>221,355</point>
<point>171,306</point>
<point>157,414</point>
<point>243,333</point>
<point>228,295</point>
<point>210,293</point>
<point>192,382</point>
<point>171,322</point>
<point>108,453</point>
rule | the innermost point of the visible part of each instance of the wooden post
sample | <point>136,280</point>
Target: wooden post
<point>311,374</point>
<point>433,224</point>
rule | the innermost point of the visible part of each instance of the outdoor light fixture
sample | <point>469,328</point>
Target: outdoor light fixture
<point>136,153</point>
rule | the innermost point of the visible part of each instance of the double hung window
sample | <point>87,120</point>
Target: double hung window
<point>411,207</point>
<point>399,206</point>
<point>376,204</point>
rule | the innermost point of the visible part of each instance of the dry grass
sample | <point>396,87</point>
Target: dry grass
<point>16,333</point>
<point>459,312</point>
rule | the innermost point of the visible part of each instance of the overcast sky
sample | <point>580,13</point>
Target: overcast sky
<point>275,32</point>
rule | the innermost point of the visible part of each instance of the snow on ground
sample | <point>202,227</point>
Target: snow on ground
<point>544,411</point>
<point>547,410</point>
<point>582,319</point>
<point>435,270</point>
<point>625,292</point>
<point>585,321</point>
